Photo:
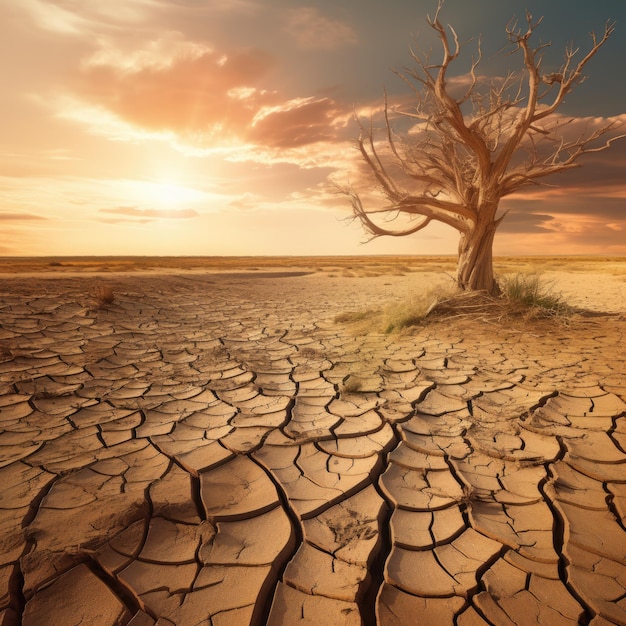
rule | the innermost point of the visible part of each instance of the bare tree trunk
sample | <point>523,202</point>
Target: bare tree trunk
<point>475,263</point>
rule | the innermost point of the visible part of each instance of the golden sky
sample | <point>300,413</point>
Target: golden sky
<point>217,127</point>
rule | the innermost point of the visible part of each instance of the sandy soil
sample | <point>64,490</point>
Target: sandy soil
<point>213,448</point>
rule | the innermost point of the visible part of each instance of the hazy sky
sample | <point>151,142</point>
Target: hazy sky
<point>214,127</point>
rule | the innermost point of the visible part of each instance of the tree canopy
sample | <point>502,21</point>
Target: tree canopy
<point>472,140</point>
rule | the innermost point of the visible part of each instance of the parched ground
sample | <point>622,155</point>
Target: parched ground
<point>215,449</point>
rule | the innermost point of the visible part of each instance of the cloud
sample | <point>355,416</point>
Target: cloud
<point>295,123</point>
<point>77,18</point>
<point>203,100</point>
<point>145,215</point>
<point>567,234</point>
<point>51,17</point>
<point>568,211</point>
<point>173,86</point>
<point>314,31</point>
<point>58,154</point>
<point>246,202</point>
<point>565,220</point>
<point>155,55</point>
<point>19,217</point>
<point>522,222</point>
<point>99,120</point>
<point>211,6</point>
<point>199,100</point>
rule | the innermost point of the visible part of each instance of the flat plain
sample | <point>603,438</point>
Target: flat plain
<point>208,445</point>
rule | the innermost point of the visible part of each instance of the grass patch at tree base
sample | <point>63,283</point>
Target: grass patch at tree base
<point>525,297</point>
<point>530,293</point>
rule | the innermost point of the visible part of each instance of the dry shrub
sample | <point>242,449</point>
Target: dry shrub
<point>104,295</point>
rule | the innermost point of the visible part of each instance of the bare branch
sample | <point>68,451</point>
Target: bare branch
<point>475,63</point>
<point>378,231</point>
<point>409,206</point>
<point>567,78</point>
<point>563,156</point>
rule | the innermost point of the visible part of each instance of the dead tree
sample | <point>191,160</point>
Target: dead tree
<point>464,152</point>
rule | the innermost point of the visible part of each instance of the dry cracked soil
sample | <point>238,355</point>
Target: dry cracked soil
<point>215,449</point>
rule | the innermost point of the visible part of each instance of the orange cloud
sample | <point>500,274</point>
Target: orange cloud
<point>200,101</point>
<point>570,235</point>
<point>189,89</point>
<point>144,215</point>
<point>295,123</point>
<point>76,18</point>
<point>156,54</point>
<point>19,217</point>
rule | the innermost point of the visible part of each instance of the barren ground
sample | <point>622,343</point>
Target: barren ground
<point>213,448</point>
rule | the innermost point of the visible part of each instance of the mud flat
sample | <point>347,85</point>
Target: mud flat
<point>213,448</point>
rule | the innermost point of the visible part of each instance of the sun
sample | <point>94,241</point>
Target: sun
<point>168,194</point>
<point>172,193</point>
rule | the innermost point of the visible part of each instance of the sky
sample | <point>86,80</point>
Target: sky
<point>221,127</point>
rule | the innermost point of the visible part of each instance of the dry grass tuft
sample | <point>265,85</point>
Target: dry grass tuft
<point>528,293</point>
<point>104,295</point>
<point>350,317</point>
<point>351,385</point>
<point>396,316</point>
<point>400,315</point>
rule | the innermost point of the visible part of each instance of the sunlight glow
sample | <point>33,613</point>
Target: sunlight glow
<point>168,194</point>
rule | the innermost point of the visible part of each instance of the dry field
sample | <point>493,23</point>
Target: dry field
<point>358,265</point>
<point>199,441</point>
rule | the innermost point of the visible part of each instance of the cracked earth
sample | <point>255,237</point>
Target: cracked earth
<point>216,450</point>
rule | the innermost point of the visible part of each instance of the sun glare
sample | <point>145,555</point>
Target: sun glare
<point>173,194</point>
<point>166,194</point>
